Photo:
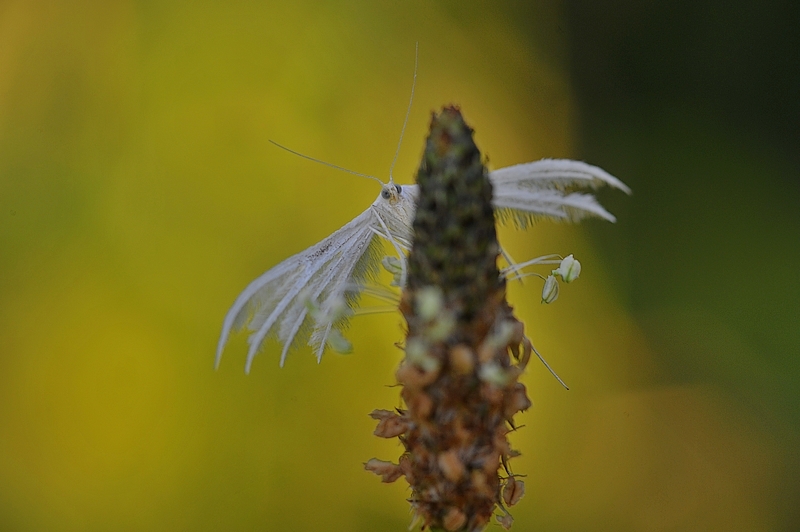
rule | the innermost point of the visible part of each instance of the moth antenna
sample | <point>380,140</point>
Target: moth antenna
<point>327,164</point>
<point>408,112</point>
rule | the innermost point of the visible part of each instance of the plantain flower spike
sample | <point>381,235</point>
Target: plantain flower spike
<point>464,350</point>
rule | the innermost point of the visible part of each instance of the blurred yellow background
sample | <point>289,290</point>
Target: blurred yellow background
<point>139,194</point>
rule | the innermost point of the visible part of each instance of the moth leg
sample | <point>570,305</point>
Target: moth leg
<point>396,246</point>
<point>380,292</point>
<point>403,243</point>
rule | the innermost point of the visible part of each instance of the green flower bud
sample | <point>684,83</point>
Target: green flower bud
<point>569,269</point>
<point>550,289</point>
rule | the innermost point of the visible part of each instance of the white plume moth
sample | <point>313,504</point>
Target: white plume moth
<point>304,293</point>
<point>309,296</point>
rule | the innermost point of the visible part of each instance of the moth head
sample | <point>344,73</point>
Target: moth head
<point>391,192</point>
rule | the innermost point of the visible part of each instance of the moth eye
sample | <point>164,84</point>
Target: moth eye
<point>399,189</point>
<point>385,194</point>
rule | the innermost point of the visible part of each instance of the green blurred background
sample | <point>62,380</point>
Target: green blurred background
<point>139,195</point>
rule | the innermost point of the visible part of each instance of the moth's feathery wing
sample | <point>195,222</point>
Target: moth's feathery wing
<point>396,216</point>
<point>340,278</point>
<point>272,299</point>
<point>525,204</point>
<point>561,172</point>
<point>321,289</point>
<point>545,188</point>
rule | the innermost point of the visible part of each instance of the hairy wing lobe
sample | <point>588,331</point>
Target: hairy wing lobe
<point>276,303</point>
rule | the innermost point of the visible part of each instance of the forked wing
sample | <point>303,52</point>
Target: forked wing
<point>279,303</point>
<point>547,188</point>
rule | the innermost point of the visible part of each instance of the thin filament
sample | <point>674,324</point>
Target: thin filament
<point>552,372</point>
<point>326,164</point>
<point>408,112</point>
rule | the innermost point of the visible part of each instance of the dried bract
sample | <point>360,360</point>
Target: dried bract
<point>388,471</point>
